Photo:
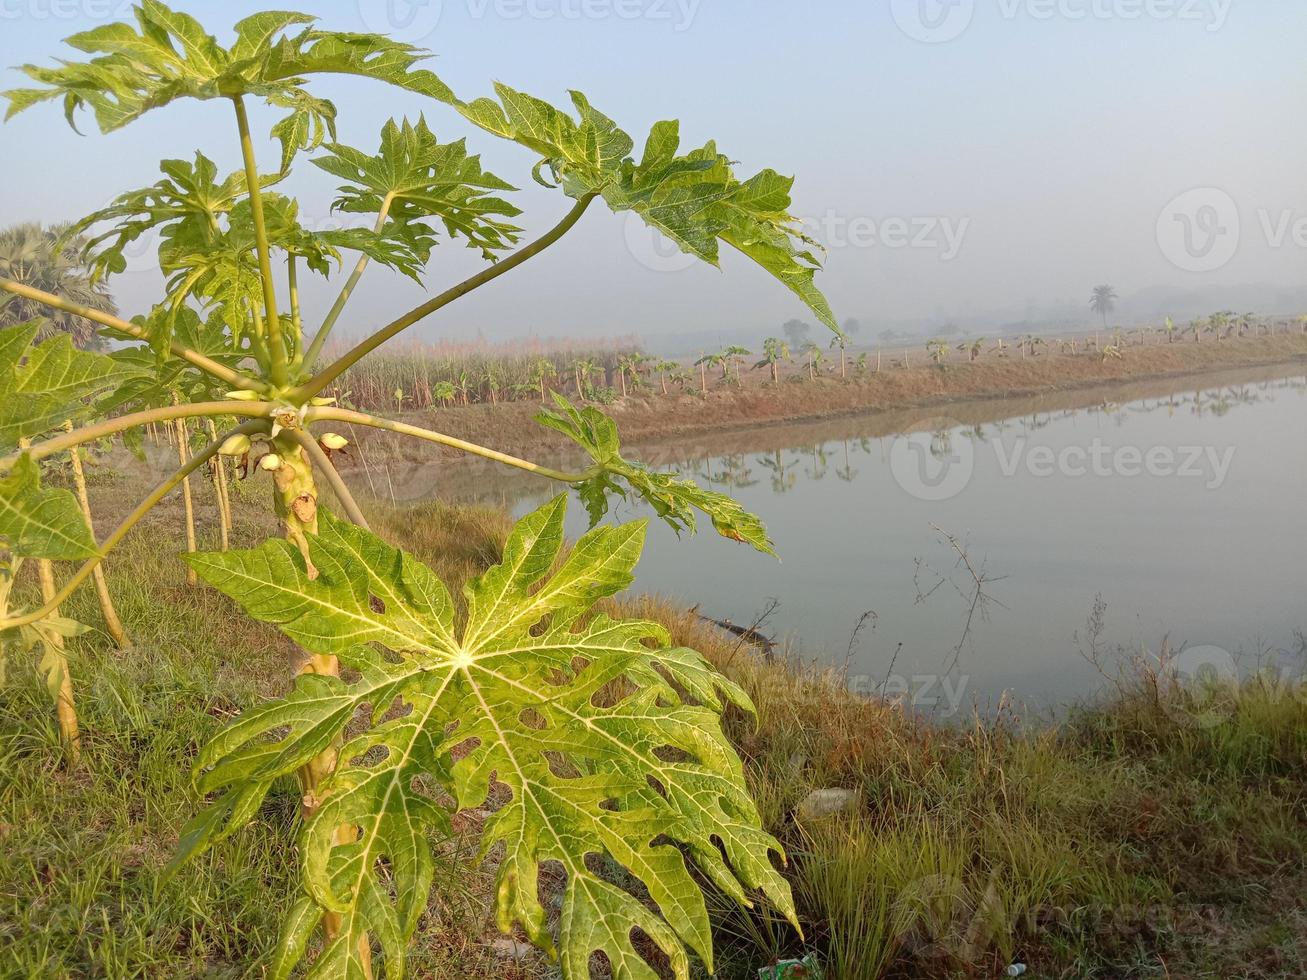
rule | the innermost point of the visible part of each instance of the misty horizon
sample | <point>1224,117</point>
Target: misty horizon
<point>983,165</point>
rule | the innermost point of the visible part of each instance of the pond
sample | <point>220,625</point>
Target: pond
<point>981,554</point>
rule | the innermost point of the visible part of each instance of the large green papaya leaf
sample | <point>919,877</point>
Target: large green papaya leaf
<point>608,740</point>
<point>42,386</point>
<point>695,198</point>
<point>168,55</point>
<point>673,498</point>
<point>36,522</point>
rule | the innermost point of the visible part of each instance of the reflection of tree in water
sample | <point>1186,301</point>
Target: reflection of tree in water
<point>941,444</point>
<point>1035,423</point>
<point>846,472</point>
<point>818,461</point>
<point>733,471</point>
<point>403,481</point>
<point>783,475</point>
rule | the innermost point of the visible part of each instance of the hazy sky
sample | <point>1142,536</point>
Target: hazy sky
<point>958,157</point>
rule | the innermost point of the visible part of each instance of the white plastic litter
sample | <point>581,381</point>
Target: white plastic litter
<point>1016,969</point>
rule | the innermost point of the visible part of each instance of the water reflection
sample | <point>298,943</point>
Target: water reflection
<point>1206,561</point>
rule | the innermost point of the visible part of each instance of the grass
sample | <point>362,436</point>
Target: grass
<point>1127,841</point>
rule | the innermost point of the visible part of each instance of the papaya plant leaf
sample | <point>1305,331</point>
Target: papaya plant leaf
<point>422,178</point>
<point>187,203</point>
<point>159,375</point>
<point>41,386</point>
<point>693,199</point>
<point>168,56</point>
<point>673,498</point>
<point>38,522</point>
<point>608,740</point>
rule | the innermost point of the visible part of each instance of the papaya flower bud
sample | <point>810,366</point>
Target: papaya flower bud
<point>237,445</point>
<point>333,441</point>
<point>270,462</point>
<point>319,402</point>
<point>243,395</point>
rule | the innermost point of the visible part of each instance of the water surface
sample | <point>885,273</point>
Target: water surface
<point>1178,506</point>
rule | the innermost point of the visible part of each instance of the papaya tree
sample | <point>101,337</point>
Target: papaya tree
<point>841,341</point>
<point>733,356</point>
<point>774,350</point>
<point>606,737</point>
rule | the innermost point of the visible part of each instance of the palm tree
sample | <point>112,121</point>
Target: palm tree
<point>774,350</point>
<point>30,254</point>
<point>1103,302</point>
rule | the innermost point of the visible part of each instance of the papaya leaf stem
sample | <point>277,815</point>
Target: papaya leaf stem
<point>342,364</point>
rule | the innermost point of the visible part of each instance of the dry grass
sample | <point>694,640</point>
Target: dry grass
<point>1121,843</point>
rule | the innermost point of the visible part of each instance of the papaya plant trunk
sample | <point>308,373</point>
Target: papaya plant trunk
<point>188,503</point>
<point>55,665</point>
<point>220,491</point>
<point>112,624</point>
<point>296,502</point>
<point>60,679</point>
